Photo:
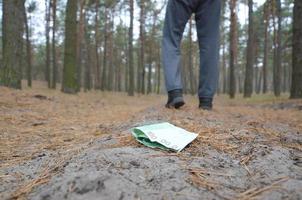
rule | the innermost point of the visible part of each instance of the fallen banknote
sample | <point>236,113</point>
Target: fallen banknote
<point>165,136</point>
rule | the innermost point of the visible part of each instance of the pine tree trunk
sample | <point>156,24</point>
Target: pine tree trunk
<point>80,41</point>
<point>110,80</point>
<point>266,46</point>
<point>296,85</point>
<point>149,83</point>
<point>12,39</point>
<point>258,89</point>
<point>278,50</point>
<point>192,79</point>
<point>88,47</point>
<point>233,48</point>
<point>54,52</point>
<point>131,67</point>
<point>96,30</point>
<point>70,83</point>
<point>47,35</point>
<point>28,50</point>
<point>141,67</point>
<point>223,46</point>
<point>158,72</point>
<point>149,86</point>
<point>104,72</point>
<point>249,71</point>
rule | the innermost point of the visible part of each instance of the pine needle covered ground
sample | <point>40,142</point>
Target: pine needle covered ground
<point>55,146</point>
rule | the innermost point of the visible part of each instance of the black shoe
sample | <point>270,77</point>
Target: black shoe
<point>175,99</point>
<point>205,103</point>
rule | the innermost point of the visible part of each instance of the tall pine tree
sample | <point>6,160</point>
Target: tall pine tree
<point>70,83</point>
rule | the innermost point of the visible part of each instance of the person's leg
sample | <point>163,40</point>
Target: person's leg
<point>207,21</point>
<point>177,15</point>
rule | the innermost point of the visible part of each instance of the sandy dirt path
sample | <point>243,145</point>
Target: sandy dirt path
<point>56,146</point>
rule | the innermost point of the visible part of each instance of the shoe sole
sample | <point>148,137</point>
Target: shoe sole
<point>205,108</point>
<point>179,104</point>
<point>176,103</point>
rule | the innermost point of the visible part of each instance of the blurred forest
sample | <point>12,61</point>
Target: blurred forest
<point>59,146</point>
<point>115,45</point>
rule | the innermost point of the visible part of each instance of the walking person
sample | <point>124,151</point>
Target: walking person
<point>207,17</point>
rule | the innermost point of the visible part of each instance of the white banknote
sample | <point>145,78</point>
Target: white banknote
<point>164,136</point>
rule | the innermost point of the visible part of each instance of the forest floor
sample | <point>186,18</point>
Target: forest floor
<point>58,146</point>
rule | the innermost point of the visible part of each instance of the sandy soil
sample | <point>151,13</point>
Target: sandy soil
<point>57,146</point>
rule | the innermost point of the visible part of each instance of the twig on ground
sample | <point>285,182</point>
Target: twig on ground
<point>254,192</point>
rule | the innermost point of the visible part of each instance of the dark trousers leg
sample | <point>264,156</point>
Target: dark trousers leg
<point>207,21</point>
<point>177,15</point>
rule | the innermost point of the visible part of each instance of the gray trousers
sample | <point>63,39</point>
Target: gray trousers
<point>207,16</point>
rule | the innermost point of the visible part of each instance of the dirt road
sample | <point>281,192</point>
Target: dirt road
<point>56,146</point>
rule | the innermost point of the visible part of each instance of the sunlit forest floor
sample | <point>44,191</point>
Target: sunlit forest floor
<point>59,146</point>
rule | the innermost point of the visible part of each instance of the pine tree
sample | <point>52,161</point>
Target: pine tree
<point>233,47</point>
<point>131,66</point>
<point>249,70</point>
<point>296,86</point>
<point>266,45</point>
<point>54,53</point>
<point>47,36</point>
<point>12,39</point>
<point>70,83</point>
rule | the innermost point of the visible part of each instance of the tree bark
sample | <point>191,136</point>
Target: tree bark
<point>192,79</point>
<point>131,67</point>
<point>233,48</point>
<point>47,35</point>
<point>104,72</point>
<point>70,83</point>
<point>277,50</point>
<point>80,42</point>
<point>96,30</point>
<point>110,79</point>
<point>88,47</point>
<point>296,85</point>
<point>158,71</point>
<point>12,39</point>
<point>266,46</point>
<point>54,52</point>
<point>249,71</point>
<point>28,49</point>
<point>141,67</point>
<point>223,46</point>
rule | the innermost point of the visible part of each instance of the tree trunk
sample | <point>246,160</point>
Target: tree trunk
<point>104,72</point>
<point>149,86</point>
<point>278,50</point>
<point>131,67</point>
<point>233,47</point>
<point>258,89</point>
<point>248,83</point>
<point>80,41</point>
<point>192,79</point>
<point>70,83</point>
<point>110,80</point>
<point>266,46</point>
<point>223,41</point>
<point>12,39</point>
<point>54,54</point>
<point>87,76</point>
<point>158,72</point>
<point>141,67</point>
<point>296,85</point>
<point>28,49</point>
<point>96,30</point>
<point>149,78</point>
<point>47,35</point>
